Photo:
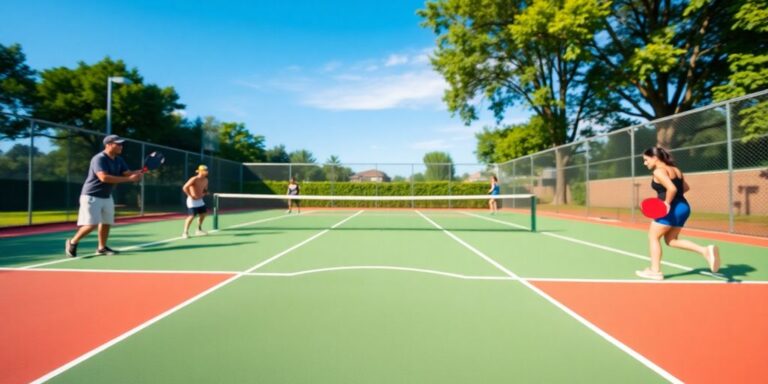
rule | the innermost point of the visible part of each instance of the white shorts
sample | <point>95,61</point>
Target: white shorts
<point>192,203</point>
<point>96,210</point>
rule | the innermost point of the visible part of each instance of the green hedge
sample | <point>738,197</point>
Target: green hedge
<point>428,188</point>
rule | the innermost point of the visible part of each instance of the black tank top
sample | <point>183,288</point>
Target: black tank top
<point>662,191</point>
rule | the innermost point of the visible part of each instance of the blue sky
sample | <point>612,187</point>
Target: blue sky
<point>345,78</point>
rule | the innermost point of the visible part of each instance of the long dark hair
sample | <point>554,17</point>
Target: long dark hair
<point>661,154</point>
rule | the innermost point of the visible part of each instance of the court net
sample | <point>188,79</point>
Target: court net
<point>237,209</point>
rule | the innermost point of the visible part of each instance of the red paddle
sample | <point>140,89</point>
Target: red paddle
<point>653,208</point>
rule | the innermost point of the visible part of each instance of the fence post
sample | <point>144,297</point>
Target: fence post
<point>450,180</point>
<point>376,203</point>
<point>69,170</point>
<point>532,180</point>
<point>514,181</point>
<point>241,177</point>
<point>586,184</point>
<point>182,203</point>
<point>143,199</point>
<point>729,146</point>
<point>632,170</point>
<point>413,202</point>
<point>30,173</point>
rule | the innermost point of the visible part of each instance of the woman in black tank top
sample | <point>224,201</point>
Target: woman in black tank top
<point>670,186</point>
<point>293,190</point>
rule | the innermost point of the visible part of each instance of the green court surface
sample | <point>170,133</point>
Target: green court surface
<point>369,296</point>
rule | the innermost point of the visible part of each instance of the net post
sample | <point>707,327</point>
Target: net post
<point>533,213</point>
<point>216,212</point>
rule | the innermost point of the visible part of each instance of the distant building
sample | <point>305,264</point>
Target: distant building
<point>475,177</point>
<point>370,175</point>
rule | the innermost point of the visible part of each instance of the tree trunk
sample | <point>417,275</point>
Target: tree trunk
<point>561,161</point>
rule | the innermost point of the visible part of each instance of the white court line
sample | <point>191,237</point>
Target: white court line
<point>167,313</point>
<point>275,257</point>
<point>637,356</point>
<point>629,281</point>
<point>379,267</point>
<point>599,246</point>
<point>132,247</point>
<point>157,271</point>
<point>390,267</point>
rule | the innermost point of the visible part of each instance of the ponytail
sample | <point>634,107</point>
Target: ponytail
<point>661,154</point>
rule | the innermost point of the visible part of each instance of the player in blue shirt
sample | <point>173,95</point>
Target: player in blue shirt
<point>97,209</point>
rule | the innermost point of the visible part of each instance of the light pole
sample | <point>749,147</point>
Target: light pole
<point>110,80</point>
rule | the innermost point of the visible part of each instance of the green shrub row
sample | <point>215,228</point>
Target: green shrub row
<point>427,188</point>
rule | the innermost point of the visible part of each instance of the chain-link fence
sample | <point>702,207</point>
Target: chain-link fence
<point>43,166</point>
<point>722,149</point>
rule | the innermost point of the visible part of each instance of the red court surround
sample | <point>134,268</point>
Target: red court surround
<point>49,318</point>
<point>700,333</point>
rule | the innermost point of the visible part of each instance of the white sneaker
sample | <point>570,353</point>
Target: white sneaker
<point>185,235</point>
<point>200,232</point>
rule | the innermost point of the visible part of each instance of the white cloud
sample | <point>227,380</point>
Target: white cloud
<point>400,80</point>
<point>408,89</point>
<point>394,60</point>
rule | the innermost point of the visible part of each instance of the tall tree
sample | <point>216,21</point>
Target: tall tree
<point>520,52</point>
<point>335,171</point>
<point>278,154</point>
<point>504,144</point>
<point>237,143</point>
<point>749,69</point>
<point>302,156</point>
<point>17,89</point>
<point>439,166</point>
<point>661,57</point>
<point>78,97</point>
<point>305,168</point>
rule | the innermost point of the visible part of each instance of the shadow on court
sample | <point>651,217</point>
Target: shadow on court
<point>259,230</point>
<point>730,272</point>
<point>179,247</point>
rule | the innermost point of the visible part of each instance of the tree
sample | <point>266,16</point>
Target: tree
<point>238,144</point>
<point>521,52</point>
<point>749,69</point>
<point>17,90</point>
<point>500,145</point>
<point>278,154</point>
<point>335,171</point>
<point>14,163</point>
<point>305,168</point>
<point>439,166</point>
<point>78,97</point>
<point>662,57</point>
<point>302,156</point>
